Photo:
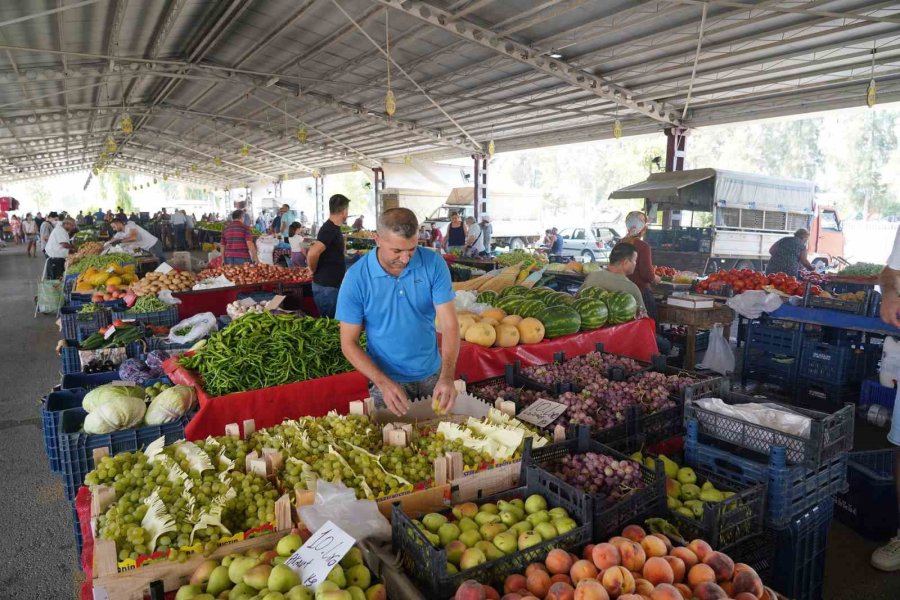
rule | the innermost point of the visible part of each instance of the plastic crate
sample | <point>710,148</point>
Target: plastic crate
<point>79,540</point>
<point>799,571</point>
<point>77,302</point>
<point>832,364</point>
<point>830,435</point>
<point>775,337</point>
<point>428,564</point>
<point>824,397</point>
<point>872,392</point>
<point>758,551</point>
<point>777,370</point>
<point>165,318</point>
<point>869,507</point>
<point>76,448</point>
<point>608,517</point>
<point>52,407</point>
<point>76,326</point>
<point>791,489</point>
<point>71,361</point>
<point>87,381</point>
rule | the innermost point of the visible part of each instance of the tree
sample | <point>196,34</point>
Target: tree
<point>875,140</point>
<point>39,195</point>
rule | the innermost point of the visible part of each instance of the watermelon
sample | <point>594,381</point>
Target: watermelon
<point>530,308</point>
<point>558,299</point>
<point>593,313</point>
<point>514,290</point>
<point>559,320</point>
<point>509,304</point>
<point>487,297</point>
<point>592,292</point>
<point>622,307</point>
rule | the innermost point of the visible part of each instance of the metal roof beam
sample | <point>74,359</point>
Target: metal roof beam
<point>799,10</point>
<point>45,13</point>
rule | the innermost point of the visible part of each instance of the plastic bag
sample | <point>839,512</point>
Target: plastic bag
<point>50,296</point>
<point>337,503</point>
<point>167,297</point>
<point>201,325</point>
<point>719,356</point>
<point>465,302</point>
<point>265,248</point>
<point>754,303</point>
<point>764,414</point>
<point>889,373</point>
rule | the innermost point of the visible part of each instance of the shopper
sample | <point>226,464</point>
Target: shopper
<point>132,234</point>
<point>887,557</point>
<point>298,252</point>
<point>437,238</point>
<point>275,227</point>
<point>474,238</point>
<point>98,216</point>
<point>120,214</point>
<point>46,228</point>
<point>287,217</point>
<point>178,224</point>
<point>326,257</point>
<point>644,275</point>
<point>547,242</point>
<point>789,254</point>
<point>30,230</point>
<point>558,242</point>
<point>16,226</point>
<point>303,220</point>
<point>395,292</point>
<point>358,223</point>
<point>238,246</point>
<point>456,234</point>
<point>614,278</point>
<point>487,232</point>
<point>190,222</point>
<point>57,249</point>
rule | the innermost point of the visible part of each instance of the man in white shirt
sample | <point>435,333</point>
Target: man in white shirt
<point>46,229</point>
<point>129,232</point>
<point>57,248</point>
<point>178,224</point>
<point>474,239</point>
<point>887,557</point>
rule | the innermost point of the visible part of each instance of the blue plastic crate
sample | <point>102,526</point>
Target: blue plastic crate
<point>52,407</point>
<point>88,381</point>
<point>77,302</point>
<point>79,539</point>
<point>832,364</point>
<point>869,507</point>
<point>824,397</point>
<point>872,392</point>
<point>77,326</point>
<point>800,547</point>
<point>775,337</point>
<point>165,318</point>
<point>791,489</point>
<point>71,361</point>
<point>769,368</point>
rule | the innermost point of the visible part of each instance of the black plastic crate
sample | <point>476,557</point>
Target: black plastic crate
<point>165,318</point>
<point>832,364</point>
<point>70,359</point>
<point>52,408</point>
<point>428,564</point>
<point>869,507</point>
<point>800,549</point>
<point>824,397</point>
<point>772,369</point>
<point>87,381</point>
<point>608,517</point>
<point>830,434</point>
<point>75,325</point>
<point>757,551</point>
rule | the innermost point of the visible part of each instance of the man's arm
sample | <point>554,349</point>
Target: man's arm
<point>890,296</point>
<point>394,395</point>
<point>445,390</point>
<point>312,255</point>
<point>251,247</point>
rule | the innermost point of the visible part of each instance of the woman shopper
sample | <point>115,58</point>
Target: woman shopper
<point>30,231</point>
<point>789,254</point>
<point>644,276</point>
<point>298,252</point>
<point>456,234</point>
<point>16,225</point>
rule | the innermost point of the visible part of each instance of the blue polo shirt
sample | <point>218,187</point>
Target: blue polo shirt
<point>398,312</point>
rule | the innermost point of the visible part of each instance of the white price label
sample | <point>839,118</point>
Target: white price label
<point>109,332</point>
<point>542,412</point>
<point>275,302</point>
<point>321,552</point>
<point>163,268</point>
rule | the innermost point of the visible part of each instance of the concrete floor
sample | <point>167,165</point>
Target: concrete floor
<point>37,543</point>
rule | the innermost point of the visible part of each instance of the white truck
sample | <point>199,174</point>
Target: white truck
<point>745,215</point>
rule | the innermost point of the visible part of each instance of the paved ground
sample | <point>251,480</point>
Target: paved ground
<point>36,543</point>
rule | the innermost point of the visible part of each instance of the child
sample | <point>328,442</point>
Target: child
<point>298,252</point>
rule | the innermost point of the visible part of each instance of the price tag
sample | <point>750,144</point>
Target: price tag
<point>163,268</point>
<point>248,302</point>
<point>315,559</point>
<point>109,332</point>
<point>542,412</point>
<point>275,302</point>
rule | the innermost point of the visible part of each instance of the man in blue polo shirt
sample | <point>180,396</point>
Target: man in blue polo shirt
<point>395,293</point>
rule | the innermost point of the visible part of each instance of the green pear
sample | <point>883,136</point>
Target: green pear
<point>352,558</point>
<point>451,569</point>
<point>696,507</point>
<point>490,550</point>
<point>282,578</point>
<point>489,530</point>
<point>188,592</point>
<point>541,516</point>
<point>337,576</point>
<point>470,538</point>
<point>670,465</point>
<point>546,530</point>
<point>520,527</point>
<point>433,538</point>
<point>504,505</point>
<point>447,533</point>
<point>506,542</point>
<point>564,526</point>
<point>327,586</point>
<point>535,503</point>
<point>455,550</point>
<point>467,524</point>
<point>218,581</point>
<point>356,593</point>
<point>518,503</point>
<point>684,511</point>
<point>707,485</point>
<point>273,596</point>
<point>376,592</point>
<point>489,507</point>
<point>433,521</point>
<point>509,518</point>
<point>472,558</point>
<point>672,503</point>
<point>359,576</point>
<point>558,513</point>
<point>483,518</point>
<point>711,495</point>
<point>299,592</point>
<point>650,463</point>
<point>226,561</point>
<point>528,539</point>
<point>637,456</point>
<point>686,475</point>
<point>242,591</point>
<point>202,573</point>
<point>288,544</point>
<point>689,491</point>
<point>239,566</point>
<point>673,488</point>
<point>258,577</point>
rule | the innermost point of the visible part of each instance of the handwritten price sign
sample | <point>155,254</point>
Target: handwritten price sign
<point>315,559</point>
<point>542,412</point>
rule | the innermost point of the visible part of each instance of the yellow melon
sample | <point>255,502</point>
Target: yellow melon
<point>84,287</point>
<point>465,321</point>
<point>511,319</point>
<point>490,321</point>
<point>531,331</point>
<point>114,280</point>
<point>99,278</point>
<point>507,335</point>
<point>481,334</point>
<point>494,313</point>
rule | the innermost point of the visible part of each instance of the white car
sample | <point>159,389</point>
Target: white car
<point>583,243</point>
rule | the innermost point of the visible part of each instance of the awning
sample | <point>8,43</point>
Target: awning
<point>666,186</point>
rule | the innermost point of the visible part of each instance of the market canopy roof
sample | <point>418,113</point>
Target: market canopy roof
<point>201,80</point>
<point>660,186</point>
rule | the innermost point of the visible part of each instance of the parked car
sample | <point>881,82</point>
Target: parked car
<point>584,244</point>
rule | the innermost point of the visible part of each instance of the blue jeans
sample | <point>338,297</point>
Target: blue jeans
<point>414,390</point>
<point>234,260</point>
<point>326,299</point>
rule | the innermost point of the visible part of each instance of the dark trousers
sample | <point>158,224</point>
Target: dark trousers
<point>55,268</point>
<point>180,242</point>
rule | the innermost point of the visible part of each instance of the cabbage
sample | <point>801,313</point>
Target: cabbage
<point>107,393</point>
<point>134,370</point>
<point>156,358</point>
<point>171,404</point>
<point>124,412</point>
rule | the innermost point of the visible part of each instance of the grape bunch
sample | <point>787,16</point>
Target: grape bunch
<point>492,390</point>
<point>581,370</point>
<point>600,474</point>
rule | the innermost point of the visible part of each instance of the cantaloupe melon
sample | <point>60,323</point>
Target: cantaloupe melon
<point>511,319</point>
<point>465,322</point>
<point>531,331</point>
<point>494,313</point>
<point>481,334</point>
<point>507,335</point>
<point>489,320</point>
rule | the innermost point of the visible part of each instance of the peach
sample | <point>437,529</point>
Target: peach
<point>727,587</point>
<point>657,571</point>
<point>582,569</point>
<point>746,596</point>
<point>558,561</point>
<point>606,556</point>
<point>665,591</point>
<point>490,593</point>
<point>470,590</point>
<point>721,564</point>
<point>747,581</point>
<point>653,546</point>
<point>617,581</point>
<point>560,578</point>
<point>588,552</point>
<point>686,555</point>
<point>738,567</point>
<point>591,589</point>
<point>700,548</point>
<point>514,584</point>
<point>678,568</point>
<point>642,587</point>
<point>633,597</point>
<point>685,591</point>
<point>709,591</point>
<point>535,567</point>
<point>538,582</point>
<point>511,597</point>
<point>635,533</point>
<point>665,540</point>
<point>633,555</point>
<point>618,538</point>
<point>699,574</point>
<point>561,591</point>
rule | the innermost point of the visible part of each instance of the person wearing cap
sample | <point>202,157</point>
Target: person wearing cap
<point>487,231</point>
<point>643,276</point>
<point>474,238</point>
<point>58,246</point>
<point>129,232</point>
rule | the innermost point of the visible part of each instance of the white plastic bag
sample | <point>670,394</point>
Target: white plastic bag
<point>465,302</point>
<point>889,373</point>
<point>167,297</point>
<point>719,355</point>
<point>754,303</point>
<point>201,326</point>
<point>337,503</point>
<point>765,414</point>
<point>265,249</point>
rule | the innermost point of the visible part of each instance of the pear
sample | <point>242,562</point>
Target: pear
<point>273,596</point>
<point>707,485</point>
<point>337,576</point>
<point>470,538</point>
<point>684,511</point>
<point>433,521</point>
<point>672,503</point>
<point>218,581</point>
<point>359,576</point>
<point>686,475</point>
<point>376,592</point>
<point>490,550</point>
<point>447,533</point>
<point>467,524</point>
<point>535,503</point>
<point>239,566</point>
<point>352,558</point>
<point>241,591</point>
<point>187,592</point>
<point>203,572</point>
<point>637,456</point>
<point>670,465</point>
<point>558,513</point>
<point>258,577</point>
<point>712,495</point>
<point>299,592</point>
<point>689,491</point>
<point>288,544</point>
<point>356,593</point>
<point>490,507</point>
<point>546,530</point>
<point>282,579</point>
<point>483,518</point>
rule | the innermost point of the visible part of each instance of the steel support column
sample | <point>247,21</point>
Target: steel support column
<point>320,201</point>
<point>676,142</point>
<point>481,196</point>
<point>378,174</point>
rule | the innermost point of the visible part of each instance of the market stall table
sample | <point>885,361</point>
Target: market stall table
<point>693,319</point>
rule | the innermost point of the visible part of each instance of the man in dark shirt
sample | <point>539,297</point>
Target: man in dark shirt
<point>326,257</point>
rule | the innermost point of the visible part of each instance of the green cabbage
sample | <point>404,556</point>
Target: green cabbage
<point>123,412</point>
<point>109,392</point>
<point>170,405</point>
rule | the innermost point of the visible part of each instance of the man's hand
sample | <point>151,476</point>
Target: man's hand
<point>890,309</point>
<point>445,394</point>
<point>394,396</point>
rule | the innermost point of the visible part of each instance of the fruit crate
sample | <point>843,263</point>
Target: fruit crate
<point>75,325</point>
<point>165,318</point>
<point>79,539</point>
<point>608,517</point>
<point>791,489</point>
<point>774,336</point>
<point>70,360</point>
<point>872,392</point>
<point>428,564</point>
<point>769,368</point>
<point>869,507</point>
<point>87,381</point>
<point>824,397</point>
<point>800,547</point>
<point>76,448</point>
<point>77,302</point>
<point>758,551</point>
<point>52,408</point>
<point>832,364</point>
<point>857,307</point>
<point>830,434</point>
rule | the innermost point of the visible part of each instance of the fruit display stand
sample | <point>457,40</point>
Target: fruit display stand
<point>694,319</point>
